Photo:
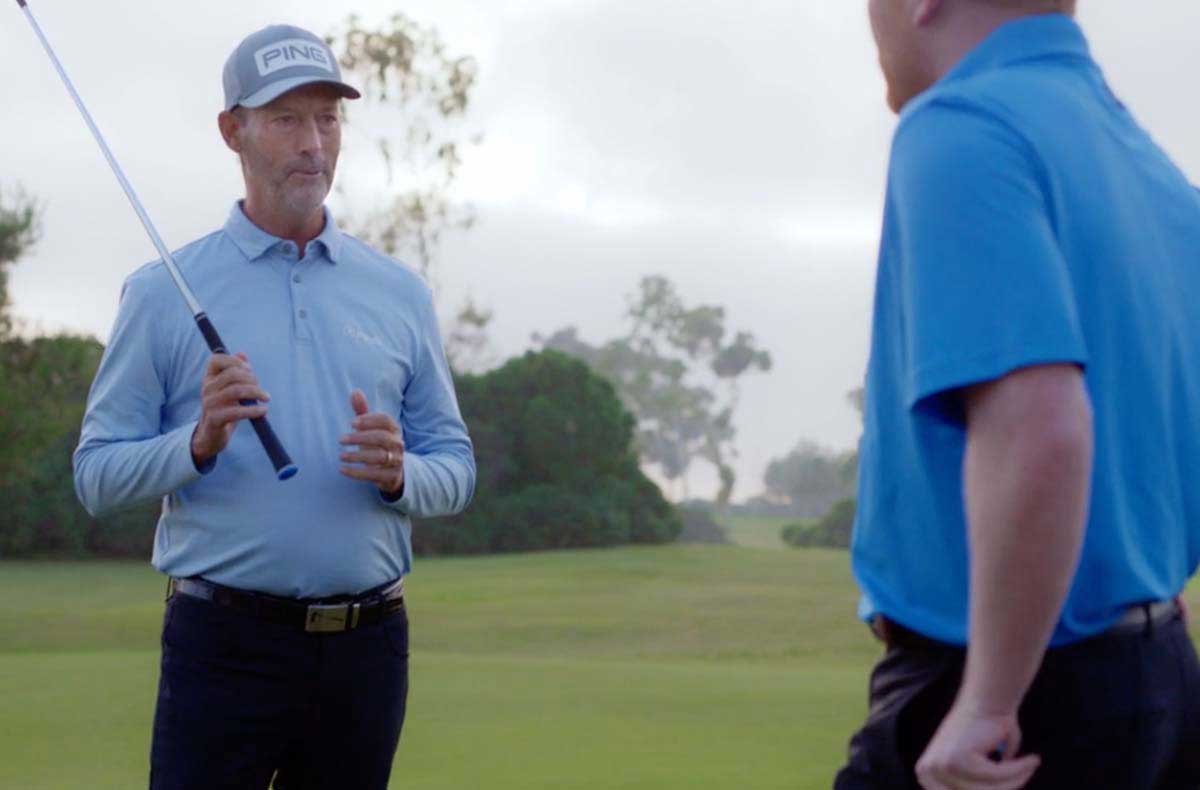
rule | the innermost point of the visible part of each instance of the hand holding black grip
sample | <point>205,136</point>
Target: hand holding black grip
<point>284,467</point>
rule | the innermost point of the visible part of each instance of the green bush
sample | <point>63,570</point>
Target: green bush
<point>653,518</point>
<point>832,530</point>
<point>699,526</point>
<point>44,383</point>
<point>556,465</point>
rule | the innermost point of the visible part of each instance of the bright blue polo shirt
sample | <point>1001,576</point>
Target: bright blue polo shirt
<point>1030,220</point>
<point>342,317</point>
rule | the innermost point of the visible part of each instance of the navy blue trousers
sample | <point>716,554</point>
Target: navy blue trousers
<point>245,704</point>
<point>1108,713</point>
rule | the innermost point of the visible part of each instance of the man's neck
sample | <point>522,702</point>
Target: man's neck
<point>298,230</point>
<point>966,29</point>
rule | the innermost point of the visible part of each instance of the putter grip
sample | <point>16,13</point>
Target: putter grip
<point>21,3</point>
<point>284,467</point>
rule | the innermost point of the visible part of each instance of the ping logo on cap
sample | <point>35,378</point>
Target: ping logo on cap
<point>291,52</point>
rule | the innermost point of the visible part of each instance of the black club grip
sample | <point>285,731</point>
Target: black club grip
<point>284,467</point>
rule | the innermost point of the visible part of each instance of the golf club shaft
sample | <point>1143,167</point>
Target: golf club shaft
<point>270,442</point>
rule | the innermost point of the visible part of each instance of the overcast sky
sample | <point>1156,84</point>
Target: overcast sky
<point>736,147</point>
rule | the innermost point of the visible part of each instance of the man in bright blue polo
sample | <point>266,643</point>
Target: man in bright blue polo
<point>285,640</point>
<point>1028,512</point>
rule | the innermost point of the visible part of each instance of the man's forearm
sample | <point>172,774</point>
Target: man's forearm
<point>113,473</point>
<point>440,484</point>
<point>1027,480</point>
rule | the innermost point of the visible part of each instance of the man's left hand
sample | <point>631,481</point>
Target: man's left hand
<point>960,756</point>
<point>379,448</point>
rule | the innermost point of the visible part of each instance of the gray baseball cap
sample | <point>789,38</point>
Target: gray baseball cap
<point>275,60</point>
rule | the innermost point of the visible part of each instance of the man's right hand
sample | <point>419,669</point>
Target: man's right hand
<point>227,380</point>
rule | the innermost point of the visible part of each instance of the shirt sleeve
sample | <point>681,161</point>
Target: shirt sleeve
<point>439,461</point>
<point>985,289</point>
<point>123,457</point>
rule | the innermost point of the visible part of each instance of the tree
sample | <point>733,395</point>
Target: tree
<point>45,386</point>
<point>467,344</point>
<point>44,383</point>
<point>419,94</point>
<point>409,81</point>
<point>556,465</point>
<point>20,226</point>
<point>811,478</point>
<point>857,398</point>
<point>677,370</point>
<point>18,233</point>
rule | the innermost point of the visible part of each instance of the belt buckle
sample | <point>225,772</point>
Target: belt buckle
<point>326,618</point>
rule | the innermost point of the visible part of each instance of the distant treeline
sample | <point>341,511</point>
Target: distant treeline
<point>554,449</point>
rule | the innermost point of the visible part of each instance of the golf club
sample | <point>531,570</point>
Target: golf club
<point>284,467</point>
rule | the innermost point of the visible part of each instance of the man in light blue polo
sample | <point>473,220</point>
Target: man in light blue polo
<point>285,640</point>
<point>1028,507</point>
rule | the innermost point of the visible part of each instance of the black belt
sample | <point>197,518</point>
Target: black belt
<point>1137,619</point>
<point>326,615</point>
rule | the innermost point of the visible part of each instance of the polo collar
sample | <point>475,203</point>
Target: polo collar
<point>1028,38</point>
<point>254,242</point>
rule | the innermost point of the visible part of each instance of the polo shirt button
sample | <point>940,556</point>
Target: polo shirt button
<point>295,278</point>
<point>304,314</point>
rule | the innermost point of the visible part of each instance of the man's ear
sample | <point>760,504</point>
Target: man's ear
<point>229,125</point>
<point>924,11</point>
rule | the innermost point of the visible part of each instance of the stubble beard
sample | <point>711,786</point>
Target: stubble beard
<point>298,196</point>
<point>294,197</point>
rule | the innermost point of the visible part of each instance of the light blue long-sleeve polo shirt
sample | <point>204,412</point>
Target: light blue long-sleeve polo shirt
<point>343,317</point>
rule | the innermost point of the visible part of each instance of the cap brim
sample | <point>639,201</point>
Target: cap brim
<point>276,89</point>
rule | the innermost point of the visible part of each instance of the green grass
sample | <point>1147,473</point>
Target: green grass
<point>630,669</point>
<point>672,667</point>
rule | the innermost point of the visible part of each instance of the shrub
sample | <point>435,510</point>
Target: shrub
<point>556,465</point>
<point>832,530</point>
<point>699,526</point>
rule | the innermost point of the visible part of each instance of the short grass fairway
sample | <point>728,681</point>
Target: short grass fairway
<point>656,668</point>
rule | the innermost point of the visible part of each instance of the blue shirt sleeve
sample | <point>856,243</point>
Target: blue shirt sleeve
<point>439,461</point>
<point>123,457</point>
<point>985,289</point>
